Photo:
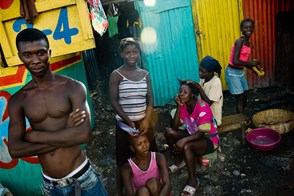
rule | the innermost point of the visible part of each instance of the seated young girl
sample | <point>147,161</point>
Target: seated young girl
<point>147,172</point>
<point>199,136</point>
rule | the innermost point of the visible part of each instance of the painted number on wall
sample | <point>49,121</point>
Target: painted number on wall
<point>62,28</point>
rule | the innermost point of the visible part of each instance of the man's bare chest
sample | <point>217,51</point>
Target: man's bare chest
<point>40,105</point>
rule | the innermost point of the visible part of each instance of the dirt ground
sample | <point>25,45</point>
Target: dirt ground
<point>244,171</point>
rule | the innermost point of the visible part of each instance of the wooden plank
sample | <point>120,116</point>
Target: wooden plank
<point>232,122</point>
<point>113,1</point>
<point>13,11</point>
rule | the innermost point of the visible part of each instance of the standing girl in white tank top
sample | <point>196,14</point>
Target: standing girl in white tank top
<point>132,99</point>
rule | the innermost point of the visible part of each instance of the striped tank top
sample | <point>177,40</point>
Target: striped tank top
<point>132,97</point>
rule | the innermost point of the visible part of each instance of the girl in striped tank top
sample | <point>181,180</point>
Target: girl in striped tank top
<point>132,99</point>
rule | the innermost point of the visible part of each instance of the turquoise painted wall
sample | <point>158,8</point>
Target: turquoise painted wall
<point>173,54</point>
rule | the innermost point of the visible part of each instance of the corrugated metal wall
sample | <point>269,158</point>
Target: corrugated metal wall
<point>264,13</point>
<point>175,55</point>
<point>92,71</point>
<point>216,27</point>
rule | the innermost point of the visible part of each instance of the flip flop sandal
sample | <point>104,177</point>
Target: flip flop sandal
<point>191,190</point>
<point>175,168</point>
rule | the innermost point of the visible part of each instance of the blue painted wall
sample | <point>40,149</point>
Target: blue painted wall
<point>174,54</point>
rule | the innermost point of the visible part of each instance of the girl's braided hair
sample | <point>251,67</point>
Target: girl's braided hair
<point>190,85</point>
<point>128,41</point>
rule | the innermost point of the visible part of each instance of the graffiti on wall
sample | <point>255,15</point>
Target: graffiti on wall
<point>5,4</point>
<point>6,162</point>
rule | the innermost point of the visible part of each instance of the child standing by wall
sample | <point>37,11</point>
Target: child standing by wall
<point>132,99</point>
<point>146,173</point>
<point>210,86</point>
<point>199,137</point>
<point>239,59</point>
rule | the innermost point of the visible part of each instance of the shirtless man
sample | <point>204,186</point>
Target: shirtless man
<point>47,102</point>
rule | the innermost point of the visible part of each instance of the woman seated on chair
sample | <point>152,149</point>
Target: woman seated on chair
<point>199,136</point>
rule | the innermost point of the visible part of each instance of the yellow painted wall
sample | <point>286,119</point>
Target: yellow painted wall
<point>217,26</point>
<point>66,24</point>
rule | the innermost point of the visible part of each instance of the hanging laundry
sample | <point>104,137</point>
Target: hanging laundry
<point>28,10</point>
<point>112,28</point>
<point>97,16</point>
<point>112,17</point>
<point>112,10</point>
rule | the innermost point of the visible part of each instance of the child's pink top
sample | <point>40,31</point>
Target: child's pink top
<point>140,177</point>
<point>244,55</point>
<point>200,116</point>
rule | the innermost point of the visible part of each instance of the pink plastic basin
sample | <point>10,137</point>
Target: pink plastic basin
<point>263,139</point>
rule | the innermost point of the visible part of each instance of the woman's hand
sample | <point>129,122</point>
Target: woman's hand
<point>258,71</point>
<point>197,85</point>
<point>177,100</point>
<point>178,147</point>
<point>144,126</point>
<point>255,62</point>
<point>132,125</point>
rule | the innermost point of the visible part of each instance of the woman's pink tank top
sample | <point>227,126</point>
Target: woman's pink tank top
<point>244,55</point>
<point>140,177</point>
